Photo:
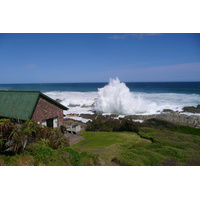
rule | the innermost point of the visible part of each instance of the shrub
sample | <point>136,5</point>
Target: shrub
<point>110,125</point>
<point>77,158</point>
<point>157,123</point>
<point>15,137</point>
<point>128,125</point>
<point>6,126</point>
<point>41,152</point>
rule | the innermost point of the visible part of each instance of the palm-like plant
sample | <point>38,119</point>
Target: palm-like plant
<point>44,132</point>
<point>60,141</point>
<point>6,125</point>
<point>14,138</point>
<point>30,128</point>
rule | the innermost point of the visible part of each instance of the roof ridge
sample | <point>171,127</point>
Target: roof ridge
<point>39,94</point>
<point>35,91</point>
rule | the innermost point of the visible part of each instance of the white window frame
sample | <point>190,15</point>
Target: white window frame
<point>55,122</point>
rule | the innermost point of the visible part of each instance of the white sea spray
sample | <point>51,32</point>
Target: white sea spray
<point>116,98</point>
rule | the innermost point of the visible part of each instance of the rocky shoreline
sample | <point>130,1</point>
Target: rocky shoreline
<point>174,117</point>
<point>190,116</point>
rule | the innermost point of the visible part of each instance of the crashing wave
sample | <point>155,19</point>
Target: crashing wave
<point>117,98</point>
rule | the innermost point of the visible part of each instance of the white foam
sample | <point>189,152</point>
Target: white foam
<point>79,119</point>
<point>138,120</point>
<point>116,98</point>
<point>83,99</point>
<point>75,98</point>
<point>187,113</point>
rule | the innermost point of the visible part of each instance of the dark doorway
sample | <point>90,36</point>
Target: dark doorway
<point>50,122</point>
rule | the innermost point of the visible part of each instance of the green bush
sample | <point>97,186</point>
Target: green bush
<point>15,137</point>
<point>158,123</point>
<point>41,152</point>
<point>109,125</point>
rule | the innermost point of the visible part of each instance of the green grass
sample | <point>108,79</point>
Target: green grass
<point>106,139</point>
<point>108,145</point>
<point>38,154</point>
<point>161,124</point>
<point>151,147</point>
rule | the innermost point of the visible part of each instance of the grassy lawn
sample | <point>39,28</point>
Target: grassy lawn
<point>151,147</point>
<point>108,145</point>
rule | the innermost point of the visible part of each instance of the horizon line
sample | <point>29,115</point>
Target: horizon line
<point>103,82</point>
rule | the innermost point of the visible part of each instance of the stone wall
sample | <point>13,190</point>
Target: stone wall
<point>45,110</point>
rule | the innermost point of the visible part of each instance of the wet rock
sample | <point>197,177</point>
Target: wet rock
<point>74,105</point>
<point>88,116</point>
<point>174,117</point>
<point>72,115</point>
<point>59,100</point>
<point>167,110</point>
<point>86,106</point>
<point>167,115</point>
<point>113,116</point>
<point>192,109</point>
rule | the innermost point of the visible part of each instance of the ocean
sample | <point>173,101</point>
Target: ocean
<point>117,97</point>
<point>146,87</point>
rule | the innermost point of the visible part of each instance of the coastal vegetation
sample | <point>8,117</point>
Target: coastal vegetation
<point>155,143</point>
<point>111,124</point>
<point>120,142</point>
<point>31,144</point>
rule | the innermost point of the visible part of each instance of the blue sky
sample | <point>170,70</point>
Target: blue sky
<point>67,57</point>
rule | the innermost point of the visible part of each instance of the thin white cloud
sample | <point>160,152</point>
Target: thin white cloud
<point>136,35</point>
<point>118,36</point>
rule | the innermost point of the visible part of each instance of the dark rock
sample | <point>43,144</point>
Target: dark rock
<point>167,110</point>
<point>86,106</point>
<point>174,117</point>
<point>167,115</point>
<point>192,109</point>
<point>88,116</point>
<point>59,100</point>
<point>113,115</point>
<point>73,105</point>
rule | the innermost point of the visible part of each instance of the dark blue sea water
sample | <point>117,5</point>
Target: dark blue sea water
<point>151,87</point>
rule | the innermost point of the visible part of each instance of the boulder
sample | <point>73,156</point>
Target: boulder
<point>167,110</point>
<point>192,109</point>
<point>59,100</point>
<point>74,105</point>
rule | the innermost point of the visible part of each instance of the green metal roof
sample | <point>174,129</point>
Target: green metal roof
<point>21,104</point>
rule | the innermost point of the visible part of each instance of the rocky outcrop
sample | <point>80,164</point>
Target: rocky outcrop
<point>168,115</point>
<point>172,116</point>
<point>74,105</point>
<point>192,109</point>
<point>182,118</point>
<point>59,100</point>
